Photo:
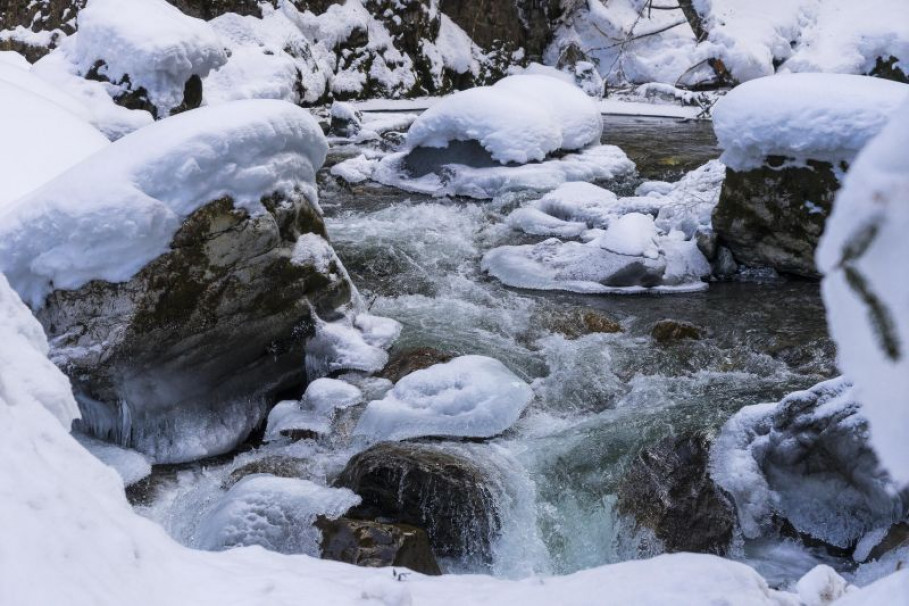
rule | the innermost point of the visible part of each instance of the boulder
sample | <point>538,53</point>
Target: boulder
<point>406,361</point>
<point>773,216</point>
<point>281,466</point>
<point>574,323</point>
<point>449,496</point>
<point>667,331</point>
<point>669,490</point>
<point>373,544</point>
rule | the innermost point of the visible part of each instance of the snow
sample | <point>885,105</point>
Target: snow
<point>151,42</point>
<point>826,117</point>
<point>469,396</point>
<point>314,412</point>
<point>821,586</point>
<point>866,295</point>
<point>275,513</point>
<point>355,343</point>
<point>14,59</point>
<point>28,161</point>
<point>519,119</point>
<point>131,465</point>
<point>110,215</point>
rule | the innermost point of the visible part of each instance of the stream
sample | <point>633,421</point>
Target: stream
<point>600,397</point>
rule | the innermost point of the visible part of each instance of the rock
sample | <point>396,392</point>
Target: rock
<point>773,216</point>
<point>422,486</point>
<point>406,361</point>
<point>373,544</point>
<point>668,489</point>
<point>896,537</point>
<point>574,323</point>
<point>516,24</point>
<point>276,465</point>
<point>213,327</point>
<point>346,121</point>
<point>667,331</point>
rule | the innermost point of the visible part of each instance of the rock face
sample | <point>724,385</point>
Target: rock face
<point>190,349</point>
<point>418,485</point>
<point>773,216</point>
<point>668,489</point>
<point>373,544</point>
<point>516,23</point>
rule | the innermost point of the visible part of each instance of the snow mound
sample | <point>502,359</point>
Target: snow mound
<point>130,464</point>
<point>865,290</point>
<point>818,116</point>
<point>110,215</point>
<point>808,460</point>
<point>519,119</point>
<point>355,343</point>
<point>275,513</point>
<point>32,160</point>
<point>469,396</point>
<point>314,412</point>
<point>149,41</point>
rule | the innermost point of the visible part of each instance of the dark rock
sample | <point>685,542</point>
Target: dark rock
<point>276,465</point>
<point>666,331</point>
<point>574,323</point>
<point>47,15</point>
<point>773,216</point>
<point>668,489</point>
<point>422,161</point>
<point>416,484</point>
<point>213,327</point>
<point>525,24</point>
<point>404,362</point>
<point>373,544</point>
<point>897,537</point>
<point>889,70</point>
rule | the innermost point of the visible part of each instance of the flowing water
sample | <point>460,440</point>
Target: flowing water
<point>599,397</point>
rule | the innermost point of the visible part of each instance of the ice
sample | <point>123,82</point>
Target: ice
<point>111,214</point>
<point>806,459</point>
<point>469,396</point>
<point>350,343</point>
<point>151,42</point>
<point>130,464</point>
<point>314,412</point>
<point>274,513</point>
<point>818,116</point>
<point>865,290</point>
<point>34,160</point>
<point>519,119</point>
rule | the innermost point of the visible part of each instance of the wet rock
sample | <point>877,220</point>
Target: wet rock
<point>773,216</point>
<point>276,465</point>
<point>896,538</point>
<point>422,161</point>
<point>668,489</point>
<point>206,332</point>
<point>373,544</point>
<point>406,361</point>
<point>574,323</point>
<point>422,486</point>
<point>667,331</point>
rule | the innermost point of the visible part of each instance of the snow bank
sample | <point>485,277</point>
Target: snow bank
<point>151,42</point>
<point>27,160</point>
<point>470,396</point>
<point>130,464</point>
<point>819,116</point>
<point>519,119</point>
<point>865,290</point>
<point>110,215</point>
<point>275,513</point>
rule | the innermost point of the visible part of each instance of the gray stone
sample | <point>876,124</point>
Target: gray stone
<point>374,544</point>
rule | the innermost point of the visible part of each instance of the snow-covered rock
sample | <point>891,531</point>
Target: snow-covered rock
<point>470,396</point>
<point>275,513</point>
<point>314,412</point>
<point>181,271</point>
<point>808,460</point>
<point>867,299</point>
<point>45,138</point>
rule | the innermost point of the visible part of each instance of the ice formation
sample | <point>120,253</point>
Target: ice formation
<point>314,411</point>
<point>470,396</point>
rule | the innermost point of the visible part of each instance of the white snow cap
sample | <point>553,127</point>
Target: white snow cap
<point>314,411</point>
<point>469,396</point>
<point>150,41</point>
<point>519,119</point>
<point>818,116</point>
<point>112,214</point>
<point>866,291</point>
<point>42,137</point>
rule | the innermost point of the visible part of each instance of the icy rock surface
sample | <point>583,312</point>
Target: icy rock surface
<point>314,411</point>
<point>470,396</point>
<point>808,460</point>
<point>275,513</point>
<point>866,296</point>
<point>519,119</point>
<point>827,117</point>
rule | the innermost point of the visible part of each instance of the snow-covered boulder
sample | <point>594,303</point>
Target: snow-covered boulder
<point>865,289</point>
<point>181,271</point>
<point>469,396</point>
<point>275,513</point>
<point>312,415</point>
<point>807,460</point>
<point>786,142</point>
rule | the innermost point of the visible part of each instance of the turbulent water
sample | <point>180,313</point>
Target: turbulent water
<point>599,397</point>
